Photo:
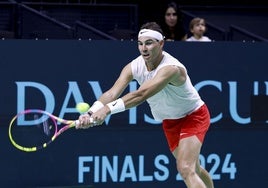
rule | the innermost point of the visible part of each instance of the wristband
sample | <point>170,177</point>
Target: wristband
<point>116,106</point>
<point>95,107</point>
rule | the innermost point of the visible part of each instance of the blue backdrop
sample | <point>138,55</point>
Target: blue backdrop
<point>130,149</point>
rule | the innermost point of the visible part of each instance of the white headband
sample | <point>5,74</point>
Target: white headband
<point>151,33</point>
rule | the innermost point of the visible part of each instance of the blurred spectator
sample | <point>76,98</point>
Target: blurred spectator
<point>172,25</point>
<point>198,28</point>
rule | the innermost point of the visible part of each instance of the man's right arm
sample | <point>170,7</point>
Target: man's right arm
<point>119,86</point>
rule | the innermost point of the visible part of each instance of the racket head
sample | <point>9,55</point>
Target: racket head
<point>35,129</point>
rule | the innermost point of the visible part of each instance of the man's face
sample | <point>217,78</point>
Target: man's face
<point>149,48</point>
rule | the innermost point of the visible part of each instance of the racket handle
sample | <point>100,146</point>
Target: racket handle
<point>77,122</point>
<point>92,122</point>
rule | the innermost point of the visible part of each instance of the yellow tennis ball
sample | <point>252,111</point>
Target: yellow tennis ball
<point>82,107</point>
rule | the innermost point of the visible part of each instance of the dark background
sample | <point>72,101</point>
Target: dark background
<point>233,152</point>
<point>120,20</point>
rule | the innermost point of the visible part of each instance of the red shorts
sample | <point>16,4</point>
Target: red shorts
<point>196,123</point>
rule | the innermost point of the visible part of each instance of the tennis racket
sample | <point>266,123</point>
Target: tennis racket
<point>35,129</point>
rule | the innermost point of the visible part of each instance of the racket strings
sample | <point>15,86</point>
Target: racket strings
<point>36,131</point>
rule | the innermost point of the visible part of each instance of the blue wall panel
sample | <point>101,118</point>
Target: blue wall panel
<point>130,150</point>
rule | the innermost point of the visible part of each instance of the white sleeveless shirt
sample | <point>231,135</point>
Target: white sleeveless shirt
<point>172,102</point>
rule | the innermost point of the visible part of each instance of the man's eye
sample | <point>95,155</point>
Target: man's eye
<point>148,42</point>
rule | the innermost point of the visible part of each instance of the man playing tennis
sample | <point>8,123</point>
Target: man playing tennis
<point>166,86</point>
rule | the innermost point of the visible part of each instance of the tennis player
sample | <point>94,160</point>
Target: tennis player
<point>166,86</point>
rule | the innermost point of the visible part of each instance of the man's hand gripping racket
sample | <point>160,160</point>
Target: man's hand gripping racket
<point>35,129</point>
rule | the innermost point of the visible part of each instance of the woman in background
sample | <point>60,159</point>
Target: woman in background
<point>172,27</point>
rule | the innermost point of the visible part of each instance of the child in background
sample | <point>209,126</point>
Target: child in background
<point>197,27</point>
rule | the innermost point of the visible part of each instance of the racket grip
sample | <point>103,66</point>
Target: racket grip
<point>92,122</point>
<point>77,122</point>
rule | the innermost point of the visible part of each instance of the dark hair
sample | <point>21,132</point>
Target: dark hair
<point>153,26</point>
<point>179,29</point>
<point>175,6</point>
